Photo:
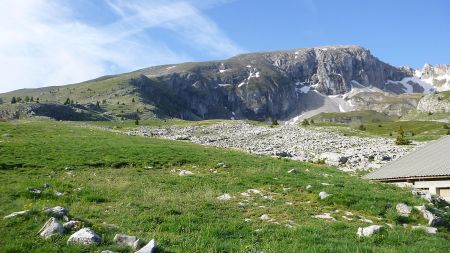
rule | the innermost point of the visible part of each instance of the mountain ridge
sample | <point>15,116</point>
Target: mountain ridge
<point>280,84</point>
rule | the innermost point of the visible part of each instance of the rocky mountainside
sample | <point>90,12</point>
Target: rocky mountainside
<point>260,86</point>
<point>438,76</point>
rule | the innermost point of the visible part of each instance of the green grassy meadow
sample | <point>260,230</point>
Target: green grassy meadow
<point>116,183</point>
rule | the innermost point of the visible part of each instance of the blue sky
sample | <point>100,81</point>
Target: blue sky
<point>65,41</point>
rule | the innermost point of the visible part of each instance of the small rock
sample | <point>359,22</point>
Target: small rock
<point>85,236</point>
<point>126,240</point>
<point>34,191</point>
<point>324,195</point>
<point>51,227</point>
<point>245,194</point>
<point>386,158</point>
<point>403,209</point>
<point>364,219</point>
<point>224,197</point>
<point>368,231</point>
<point>326,216</point>
<point>46,185</point>
<point>223,165</point>
<point>185,173</point>
<point>347,218</point>
<point>429,230</point>
<point>149,248</point>
<point>267,197</point>
<point>14,214</point>
<point>71,224</point>
<point>292,171</point>
<point>57,211</point>
<point>264,217</point>
<point>254,191</point>
<point>327,184</point>
<point>247,220</point>
<point>308,187</point>
<point>59,194</point>
<point>390,225</point>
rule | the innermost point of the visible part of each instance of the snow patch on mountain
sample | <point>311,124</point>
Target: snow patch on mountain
<point>409,82</point>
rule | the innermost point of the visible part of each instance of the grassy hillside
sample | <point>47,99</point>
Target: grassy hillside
<point>353,117</point>
<point>370,123</point>
<point>130,182</point>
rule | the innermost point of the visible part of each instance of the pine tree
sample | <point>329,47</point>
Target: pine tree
<point>67,102</point>
<point>31,99</point>
<point>132,100</point>
<point>27,99</point>
<point>97,104</point>
<point>13,100</point>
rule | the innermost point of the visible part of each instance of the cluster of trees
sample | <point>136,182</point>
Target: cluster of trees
<point>27,99</point>
<point>69,101</point>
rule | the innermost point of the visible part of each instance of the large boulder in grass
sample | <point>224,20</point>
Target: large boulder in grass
<point>51,227</point>
<point>368,231</point>
<point>84,236</point>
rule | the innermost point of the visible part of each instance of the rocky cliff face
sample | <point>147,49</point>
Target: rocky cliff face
<point>438,76</point>
<point>434,103</point>
<point>263,85</point>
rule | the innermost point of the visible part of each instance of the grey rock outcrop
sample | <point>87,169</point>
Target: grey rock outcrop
<point>434,103</point>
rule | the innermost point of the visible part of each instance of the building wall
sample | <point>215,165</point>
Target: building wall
<point>433,186</point>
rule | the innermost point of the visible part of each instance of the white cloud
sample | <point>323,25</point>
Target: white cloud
<point>43,44</point>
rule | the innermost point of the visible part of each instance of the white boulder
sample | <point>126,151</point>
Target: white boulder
<point>368,231</point>
<point>403,209</point>
<point>149,248</point>
<point>85,236</point>
<point>324,195</point>
<point>51,227</point>
<point>185,173</point>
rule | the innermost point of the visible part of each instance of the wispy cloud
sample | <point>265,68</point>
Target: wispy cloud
<point>44,44</point>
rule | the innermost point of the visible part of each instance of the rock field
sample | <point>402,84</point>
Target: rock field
<point>348,153</point>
